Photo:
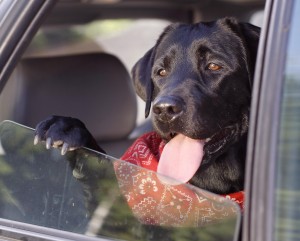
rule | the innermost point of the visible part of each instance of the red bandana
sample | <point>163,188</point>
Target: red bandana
<point>153,201</point>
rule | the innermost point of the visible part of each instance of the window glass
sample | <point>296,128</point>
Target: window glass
<point>124,38</point>
<point>87,193</point>
<point>287,199</point>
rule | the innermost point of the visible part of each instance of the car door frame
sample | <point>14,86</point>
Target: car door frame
<point>264,124</point>
<point>18,29</point>
<point>18,24</point>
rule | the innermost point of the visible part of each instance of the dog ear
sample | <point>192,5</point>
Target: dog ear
<point>141,71</point>
<point>249,35</point>
<point>141,76</point>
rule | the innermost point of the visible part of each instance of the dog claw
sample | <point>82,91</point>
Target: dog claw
<point>36,140</point>
<point>48,143</point>
<point>56,144</point>
<point>64,149</point>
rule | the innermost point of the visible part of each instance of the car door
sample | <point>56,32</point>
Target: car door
<point>273,162</point>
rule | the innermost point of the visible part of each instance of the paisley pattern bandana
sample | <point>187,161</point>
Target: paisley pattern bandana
<point>156,202</point>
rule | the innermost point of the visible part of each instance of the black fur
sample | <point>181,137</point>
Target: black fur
<point>192,99</point>
<point>201,103</point>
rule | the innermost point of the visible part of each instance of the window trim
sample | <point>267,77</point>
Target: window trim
<point>17,230</point>
<point>264,123</point>
<point>18,26</point>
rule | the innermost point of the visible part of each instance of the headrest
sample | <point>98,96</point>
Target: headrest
<point>96,88</point>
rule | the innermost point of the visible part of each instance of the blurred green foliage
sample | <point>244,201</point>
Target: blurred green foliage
<point>102,27</point>
<point>287,199</point>
<point>62,36</point>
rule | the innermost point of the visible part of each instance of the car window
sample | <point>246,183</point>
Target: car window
<point>287,199</point>
<point>95,195</point>
<point>124,38</point>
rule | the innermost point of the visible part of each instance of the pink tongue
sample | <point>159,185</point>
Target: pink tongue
<point>181,158</point>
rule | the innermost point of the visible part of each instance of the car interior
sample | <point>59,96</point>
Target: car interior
<point>92,82</point>
<point>78,64</point>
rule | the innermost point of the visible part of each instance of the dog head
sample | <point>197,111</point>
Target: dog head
<point>198,79</point>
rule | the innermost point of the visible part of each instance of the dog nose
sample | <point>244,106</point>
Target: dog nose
<point>167,108</point>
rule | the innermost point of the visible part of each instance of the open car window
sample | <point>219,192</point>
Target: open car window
<point>94,195</point>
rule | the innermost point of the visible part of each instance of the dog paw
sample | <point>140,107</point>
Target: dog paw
<point>65,132</point>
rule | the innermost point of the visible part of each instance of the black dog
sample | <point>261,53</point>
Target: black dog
<point>199,78</point>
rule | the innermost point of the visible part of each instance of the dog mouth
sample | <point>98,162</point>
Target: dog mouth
<point>182,156</point>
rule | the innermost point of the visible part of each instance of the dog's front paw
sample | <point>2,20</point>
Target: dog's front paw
<point>65,132</point>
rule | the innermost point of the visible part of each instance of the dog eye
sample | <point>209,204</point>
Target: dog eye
<point>162,72</point>
<point>214,67</point>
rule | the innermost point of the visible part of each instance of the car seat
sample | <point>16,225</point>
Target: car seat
<point>95,88</point>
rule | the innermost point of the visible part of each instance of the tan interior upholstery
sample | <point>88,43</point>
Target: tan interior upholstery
<point>96,88</point>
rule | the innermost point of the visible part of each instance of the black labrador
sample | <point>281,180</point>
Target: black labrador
<point>198,79</point>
